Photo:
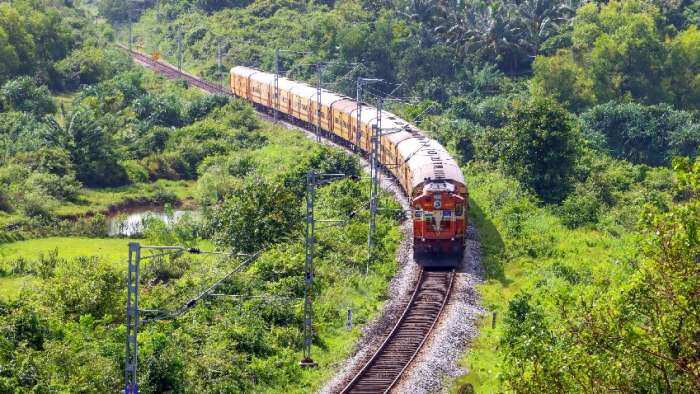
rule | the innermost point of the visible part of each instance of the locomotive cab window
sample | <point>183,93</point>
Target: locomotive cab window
<point>418,213</point>
<point>459,210</point>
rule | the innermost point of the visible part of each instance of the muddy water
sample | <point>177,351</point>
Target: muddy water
<point>129,223</point>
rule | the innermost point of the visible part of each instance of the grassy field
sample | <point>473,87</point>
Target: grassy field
<point>100,200</point>
<point>110,249</point>
<point>546,242</point>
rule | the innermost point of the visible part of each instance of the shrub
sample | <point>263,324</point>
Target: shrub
<point>580,208</point>
<point>203,105</point>
<point>84,66</point>
<point>82,286</point>
<point>159,110</point>
<point>642,134</point>
<point>59,187</point>
<point>37,204</point>
<point>255,215</point>
<point>135,171</point>
<point>166,166</point>
<point>540,148</point>
<point>23,94</point>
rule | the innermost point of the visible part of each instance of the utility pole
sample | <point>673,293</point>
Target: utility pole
<point>132,319</point>
<point>360,82</point>
<point>277,85</point>
<point>358,113</point>
<point>179,50</point>
<point>313,180</point>
<point>319,71</point>
<point>218,63</point>
<point>128,15</point>
<point>374,184</point>
<point>309,244</point>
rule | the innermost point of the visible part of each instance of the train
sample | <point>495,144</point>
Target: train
<point>427,173</point>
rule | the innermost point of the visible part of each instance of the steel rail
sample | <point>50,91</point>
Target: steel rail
<point>398,327</point>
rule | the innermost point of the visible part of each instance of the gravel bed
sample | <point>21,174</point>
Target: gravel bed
<point>436,365</point>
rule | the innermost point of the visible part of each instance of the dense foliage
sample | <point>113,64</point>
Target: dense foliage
<point>566,117</point>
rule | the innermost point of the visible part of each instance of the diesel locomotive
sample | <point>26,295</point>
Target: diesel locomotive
<point>429,176</point>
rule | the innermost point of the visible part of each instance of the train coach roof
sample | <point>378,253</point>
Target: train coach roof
<point>346,106</point>
<point>302,89</point>
<point>328,98</point>
<point>243,71</point>
<point>263,77</point>
<point>429,160</point>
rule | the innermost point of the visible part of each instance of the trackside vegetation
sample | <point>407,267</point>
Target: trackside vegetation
<point>576,123</point>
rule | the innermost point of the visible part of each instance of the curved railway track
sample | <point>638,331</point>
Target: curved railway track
<point>415,325</point>
<point>413,328</point>
<point>173,73</point>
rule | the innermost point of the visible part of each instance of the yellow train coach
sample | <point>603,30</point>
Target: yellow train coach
<point>429,176</point>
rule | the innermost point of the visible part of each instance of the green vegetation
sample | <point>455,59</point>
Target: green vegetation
<point>588,234</point>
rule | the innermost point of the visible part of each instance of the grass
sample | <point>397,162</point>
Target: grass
<point>113,250</point>
<point>11,286</point>
<point>100,200</point>
<point>510,268</point>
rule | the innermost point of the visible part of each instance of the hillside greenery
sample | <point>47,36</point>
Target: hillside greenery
<point>576,123</point>
<point>89,133</point>
<point>567,145</point>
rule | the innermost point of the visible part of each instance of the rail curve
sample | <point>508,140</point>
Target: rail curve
<point>417,321</point>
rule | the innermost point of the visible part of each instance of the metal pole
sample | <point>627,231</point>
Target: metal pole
<point>179,50</point>
<point>374,185</point>
<point>318,102</point>
<point>277,86</point>
<point>128,15</point>
<point>132,319</point>
<point>310,241</point>
<point>358,112</point>
<point>218,63</point>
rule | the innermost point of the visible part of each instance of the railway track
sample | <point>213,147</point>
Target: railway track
<point>415,325</point>
<point>401,346</point>
<point>172,72</point>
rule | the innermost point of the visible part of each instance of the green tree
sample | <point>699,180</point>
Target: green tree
<point>540,148</point>
<point>642,134</point>
<point>682,69</point>
<point>92,148</point>
<point>23,94</point>
<point>256,214</point>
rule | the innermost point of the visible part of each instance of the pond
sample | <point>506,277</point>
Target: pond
<point>130,222</point>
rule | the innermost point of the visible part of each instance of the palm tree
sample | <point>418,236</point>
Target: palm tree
<point>538,20</point>
<point>480,29</point>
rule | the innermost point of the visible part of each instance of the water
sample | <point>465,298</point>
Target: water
<point>130,223</point>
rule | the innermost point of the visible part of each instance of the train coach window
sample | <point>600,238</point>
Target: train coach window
<point>459,210</point>
<point>418,213</point>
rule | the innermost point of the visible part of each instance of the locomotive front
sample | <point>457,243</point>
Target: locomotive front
<point>439,220</point>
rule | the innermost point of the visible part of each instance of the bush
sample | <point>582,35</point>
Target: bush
<point>37,204</point>
<point>203,105</point>
<point>255,215</point>
<point>23,94</point>
<point>135,171</point>
<point>84,66</point>
<point>580,208</point>
<point>540,148</point>
<point>59,187</point>
<point>159,110</point>
<point>82,286</point>
<point>166,166</point>
<point>642,134</point>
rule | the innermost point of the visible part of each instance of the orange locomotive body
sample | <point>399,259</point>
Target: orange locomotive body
<point>429,176</point>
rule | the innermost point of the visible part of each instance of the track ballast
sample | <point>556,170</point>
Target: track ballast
<point>415,325</point>
<point>401,346</point>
